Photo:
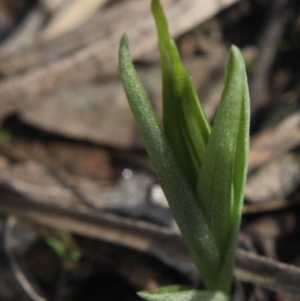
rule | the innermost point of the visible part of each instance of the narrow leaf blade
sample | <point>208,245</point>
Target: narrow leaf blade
<point>178,293</point>
<point>221,181</point>
<point>179,193</point>
<point>185,123</point>
<point>239,172</point>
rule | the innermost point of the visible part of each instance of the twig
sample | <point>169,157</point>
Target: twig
<point>267,48</point>
<point>17,272</point>
<point>156,240</point>
<point>267,272</point>
<point>273,142</point>
<point>82,65</point>
<point>24,35</point>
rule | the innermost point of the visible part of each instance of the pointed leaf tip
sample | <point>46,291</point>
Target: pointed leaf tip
<point>124,40</point>
<point>185,123</point>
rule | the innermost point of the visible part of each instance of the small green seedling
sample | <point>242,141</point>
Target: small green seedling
<point>63,245</point>
<point>201,168</point>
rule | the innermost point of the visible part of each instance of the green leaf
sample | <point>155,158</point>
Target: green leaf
<point>185,123</point>
<point>180,293</point>
<point>223,173</point>
<point>178,190</point>
<point>201,170</point>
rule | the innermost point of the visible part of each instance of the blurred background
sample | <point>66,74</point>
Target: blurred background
<point>82,216</point>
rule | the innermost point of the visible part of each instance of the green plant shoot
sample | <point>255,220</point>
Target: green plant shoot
<point>202,169</point>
